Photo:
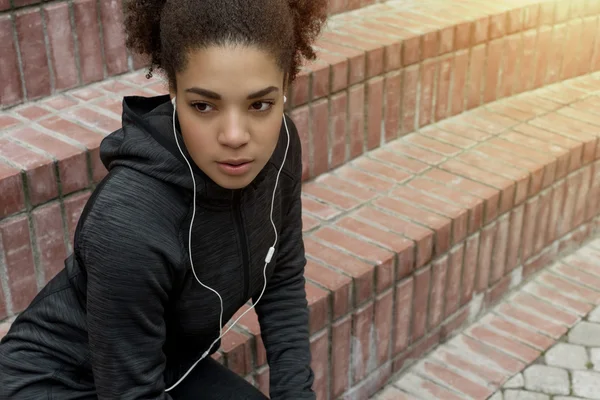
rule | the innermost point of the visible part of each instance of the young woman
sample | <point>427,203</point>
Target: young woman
<point>199,214</point>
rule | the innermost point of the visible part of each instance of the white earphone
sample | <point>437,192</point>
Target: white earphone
<point>268,258</point>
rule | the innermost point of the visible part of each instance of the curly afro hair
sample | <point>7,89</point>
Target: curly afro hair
<point>166,30</point>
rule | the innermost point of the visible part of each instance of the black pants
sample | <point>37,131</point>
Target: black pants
<point>208,381</point>
<point>212,381</point>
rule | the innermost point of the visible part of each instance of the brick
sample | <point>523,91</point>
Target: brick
<point>429,69</point>
<point>453,288</point>
<point>452,379</point>
<point>470,269</point>
<point>374,53</point>
<point>526,74</point>
<point>540,324</point>
<point>237,352</point>
<point>383,260</point>
<point>403,310</point>
<point>10,88</point>
<point>20,266</point>
<point>498,25</point>
<point>392,106</point>
<point>301,118</point>
<point>319,133</point>
<point>319,349</point>
<point>340,356</point>
<point>94,120</point>
<point>59,102</point>
<point>345,187</point>
<point>458,362</point>
<point>88,35</point>
<point>455,143</point>
<point>487,121</point>
<point>514,238</point>
<point>50,239</point>
<point>512,48</point>
<point>33,53</point>
<point>115,52</point>
<point>362,322</point>
<point>484,262</point>
<point>422,237</point>
<point>329,197</point>
<point>320,84</point>
<point>442,97</point>
<point>11,187</point>
<point>348,172</point>
<point>582,277</point>
<point>543,56</point>
<point>454,324</point>
<point>492,71</point>
<point>339,104</point>
<point>39,171</point>
<point>505,344</point>
<point>378,169</point>
<point>318,209</point>
<point>356,59</point>
<point>422,283</point>
<point>262,378</point>
<point>362,274</point>
<point>555,297</point>
<point>488,194</point>
<point>490,356</point>
<point>572,59</point>
<point>416,385</point>
<point>374,112</point>
<point>61,45</point>
<point>458,90</point>
<point>557,50</point>
<point>410,80</point>
<point>437,296</point>
<point>472,205</point>
<point>476,74</point>
<point>301,88</point>
<point>89,139</point>
<point>439,224</point>
<point>584,56</point>
<point>72,163</point>
<point>418,153</point>
<point>339,70</point>
<point>384,305</point>
<point>505,185</point>
<point>402,247</point>
<point>408,164</point>
<point>498,269</point>
<point>356,110</point>
<point>523,334</point>
<point>431,204</point>
<point>318,304</point>
<point>547,310</point>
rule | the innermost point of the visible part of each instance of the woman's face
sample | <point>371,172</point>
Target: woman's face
<point>230,109</point>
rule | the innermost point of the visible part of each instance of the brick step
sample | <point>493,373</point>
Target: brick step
<point>406,231</point>
<point>508,347</point>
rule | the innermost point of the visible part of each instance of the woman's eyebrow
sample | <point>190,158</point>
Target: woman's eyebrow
<point>215,96</point>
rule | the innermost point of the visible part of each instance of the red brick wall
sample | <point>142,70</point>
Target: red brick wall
<point>49,47</point>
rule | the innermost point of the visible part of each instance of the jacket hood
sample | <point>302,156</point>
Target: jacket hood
<point>146,143</point>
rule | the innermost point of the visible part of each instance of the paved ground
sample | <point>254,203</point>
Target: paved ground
<point>543,343</point>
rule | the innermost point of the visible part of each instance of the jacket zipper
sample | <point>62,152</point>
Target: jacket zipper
<point>243,241</point>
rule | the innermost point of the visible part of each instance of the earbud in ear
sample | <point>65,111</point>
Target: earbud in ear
<point>174,102</point>
<point>284,99</point>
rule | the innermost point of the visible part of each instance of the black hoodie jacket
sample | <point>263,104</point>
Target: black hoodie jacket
<point>126,317</point>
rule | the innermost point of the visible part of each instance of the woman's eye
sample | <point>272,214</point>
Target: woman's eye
<point>203,107</point>
<point>261,105</point>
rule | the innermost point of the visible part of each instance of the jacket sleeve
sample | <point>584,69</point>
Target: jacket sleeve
<point>127,290</point>
<point>283,310</point>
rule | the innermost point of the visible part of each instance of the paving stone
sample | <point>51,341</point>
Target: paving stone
<point>586,384</point>
<point>497,396</point>
<point>549,380</point>
<point>585,333</point>
<point>565,398</point>
<point>524,395</point>
<point>594,315</point>
<point>516,382</point>
<point>595,358</point>
<point>566,355</point>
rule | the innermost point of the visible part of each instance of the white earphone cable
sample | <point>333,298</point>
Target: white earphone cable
<point>267,258</point>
